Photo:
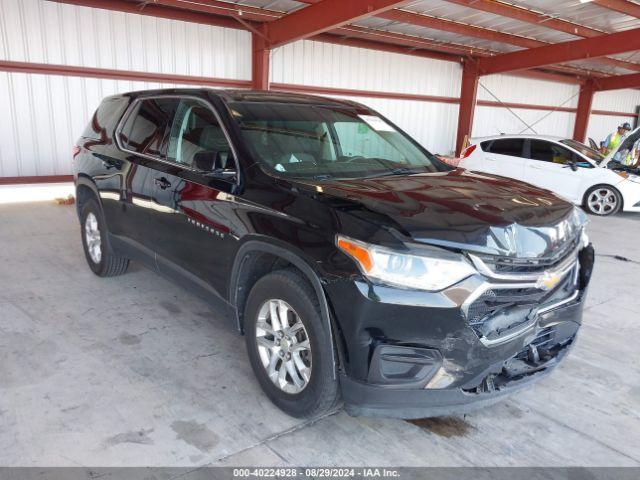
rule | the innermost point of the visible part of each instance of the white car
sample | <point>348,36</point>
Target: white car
<point>602,185</point>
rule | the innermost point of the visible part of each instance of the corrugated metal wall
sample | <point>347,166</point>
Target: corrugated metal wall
<point>512,89</point>
<point>49,32</point>
<point>42,115</point>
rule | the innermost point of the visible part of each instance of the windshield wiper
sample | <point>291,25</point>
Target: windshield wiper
<point>324,176</point>
<point>394,171</point>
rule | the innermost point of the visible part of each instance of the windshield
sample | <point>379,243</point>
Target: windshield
<point>319,141</point>
<point>588,152</point>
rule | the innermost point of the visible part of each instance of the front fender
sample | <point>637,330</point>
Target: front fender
<point>277,248</point>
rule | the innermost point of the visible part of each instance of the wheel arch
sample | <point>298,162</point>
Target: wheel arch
<point>86,189</point>
<point>257,257</point>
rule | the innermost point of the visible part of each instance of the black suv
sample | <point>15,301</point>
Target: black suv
<point>358,265</point>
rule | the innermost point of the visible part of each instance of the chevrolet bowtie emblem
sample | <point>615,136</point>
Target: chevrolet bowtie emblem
<point>548,281</point>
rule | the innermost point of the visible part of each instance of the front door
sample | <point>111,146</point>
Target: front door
<point>194,218</point>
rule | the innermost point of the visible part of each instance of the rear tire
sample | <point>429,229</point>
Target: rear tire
<point>602,200</point>
<point>291,356</point>
<point>99,254</point>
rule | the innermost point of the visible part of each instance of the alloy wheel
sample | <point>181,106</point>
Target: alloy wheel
<point>92,237</point>
<point>602,201</point>
<point>283,346</point>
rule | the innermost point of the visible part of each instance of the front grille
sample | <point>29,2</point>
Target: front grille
<point>500,309</point>
<point>493,301</point>
<point>509,265</point>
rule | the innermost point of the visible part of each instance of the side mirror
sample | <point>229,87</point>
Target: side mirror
<point>204,161</point>
<point>223,162</point>
<point>573,166</point>
<point>215,164</point>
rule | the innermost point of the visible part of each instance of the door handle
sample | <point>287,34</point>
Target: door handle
<point>162,182</point>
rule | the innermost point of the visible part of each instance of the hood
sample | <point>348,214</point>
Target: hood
<point>625,146</point>
<point>459,209</point>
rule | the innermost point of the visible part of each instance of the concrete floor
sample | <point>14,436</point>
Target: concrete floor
<point>136,371</point>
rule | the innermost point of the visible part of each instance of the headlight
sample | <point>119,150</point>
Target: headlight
<point>425,272</point>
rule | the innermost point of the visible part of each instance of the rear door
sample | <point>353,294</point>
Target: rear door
<point>549,166</point>
<point>142,136</point>
<point>504,156</point>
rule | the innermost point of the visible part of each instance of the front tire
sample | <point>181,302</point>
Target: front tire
<point>602,200</point>
<point>100,257</point>
<point>289,346</point>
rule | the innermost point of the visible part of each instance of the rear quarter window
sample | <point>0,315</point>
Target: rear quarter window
<point>106,117</point>
<point>145,128</point>
<point>505,146</point>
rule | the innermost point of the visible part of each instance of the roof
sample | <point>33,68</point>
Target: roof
<point>232,95</point>
<point>536,137</point>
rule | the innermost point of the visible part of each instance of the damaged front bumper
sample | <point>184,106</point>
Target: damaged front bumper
<point>412,354</point>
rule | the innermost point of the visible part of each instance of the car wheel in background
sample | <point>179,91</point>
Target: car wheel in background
<point>289,347</point>
<point>602,200</point>
<point>100,257</point>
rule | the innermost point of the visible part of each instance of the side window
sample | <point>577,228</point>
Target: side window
<point>105,119</point>
<point>507,146</point>
<point>486,146</point>
<point>196,131</point>
<point>145,129</point>
<point>357,139</point>
<point>549,152</point>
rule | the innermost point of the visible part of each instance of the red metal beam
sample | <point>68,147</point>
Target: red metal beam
<point>383,46</point>
<point>468,96</point>
<point>595,47</point>
<point>528,16</point>
<point>616,83</point>
<point>585,100</point>
<point>549,76</point>
<point>90,72</point>
<point>460,28</point>
<point>157,11</point>
<point>260,55</point>
<point>623,6</point>
<point>408,41</point>
<point>323,16</point>
<point>214,7</point>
